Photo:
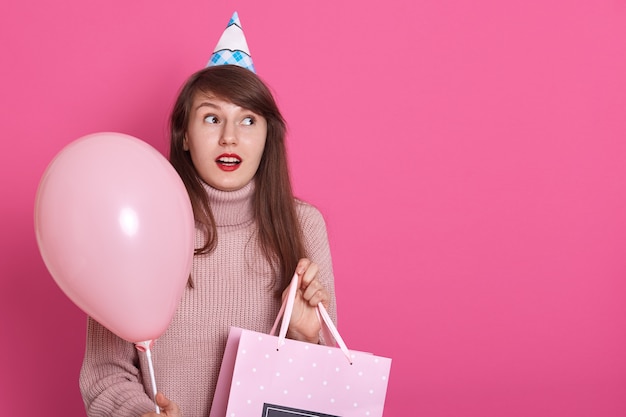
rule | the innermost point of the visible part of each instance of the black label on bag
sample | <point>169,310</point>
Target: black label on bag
<point>272,410</point>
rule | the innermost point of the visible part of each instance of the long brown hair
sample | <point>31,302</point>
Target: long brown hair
<point>279,231</point>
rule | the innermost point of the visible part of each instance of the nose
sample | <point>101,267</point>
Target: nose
<point>229,135</point>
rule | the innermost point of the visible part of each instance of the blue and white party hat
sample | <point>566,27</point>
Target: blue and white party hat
<point>232,47</point>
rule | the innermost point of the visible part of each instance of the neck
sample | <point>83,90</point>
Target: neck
<point>231,208</point>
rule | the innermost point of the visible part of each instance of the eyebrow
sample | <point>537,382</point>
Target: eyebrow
<point>207,104</point>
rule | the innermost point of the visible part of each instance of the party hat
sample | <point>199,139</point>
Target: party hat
<point>232,47</point>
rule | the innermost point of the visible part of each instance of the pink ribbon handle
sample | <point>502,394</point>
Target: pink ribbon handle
<point>286,310</point>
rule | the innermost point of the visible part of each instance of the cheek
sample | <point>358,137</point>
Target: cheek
<point>260,152</point>
<point>200,156</point>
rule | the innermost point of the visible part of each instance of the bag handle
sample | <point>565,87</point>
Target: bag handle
<point>328,327</point>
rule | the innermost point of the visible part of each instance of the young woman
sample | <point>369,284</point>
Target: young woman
<point>228,145</point>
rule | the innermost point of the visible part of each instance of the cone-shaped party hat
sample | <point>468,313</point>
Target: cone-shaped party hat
<point>232,47</point>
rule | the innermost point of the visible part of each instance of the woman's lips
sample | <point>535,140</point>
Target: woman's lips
<point>228,161</point>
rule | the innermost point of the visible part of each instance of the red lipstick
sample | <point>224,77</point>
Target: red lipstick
<point>228,161</point>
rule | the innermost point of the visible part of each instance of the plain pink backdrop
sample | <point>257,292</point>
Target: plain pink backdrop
<point>469,156</point>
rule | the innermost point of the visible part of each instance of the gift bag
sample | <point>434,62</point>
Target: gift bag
<point>271,376</point>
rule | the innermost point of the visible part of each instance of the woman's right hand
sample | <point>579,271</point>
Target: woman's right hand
<point>168,408</point>
<point>305,323</point>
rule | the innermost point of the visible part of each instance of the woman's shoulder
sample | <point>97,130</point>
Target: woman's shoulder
<point>306,208</point>
<point>308,213</point>
<point>313,228</point>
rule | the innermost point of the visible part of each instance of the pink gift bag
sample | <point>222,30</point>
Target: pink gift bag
<point>271,376</point>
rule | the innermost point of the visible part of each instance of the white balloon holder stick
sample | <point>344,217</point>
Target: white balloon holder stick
<point>145,347</point>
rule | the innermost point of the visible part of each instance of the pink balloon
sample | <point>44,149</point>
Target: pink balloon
<point>115,229</point>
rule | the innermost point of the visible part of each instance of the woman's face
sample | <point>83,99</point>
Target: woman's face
<point>225,141</point>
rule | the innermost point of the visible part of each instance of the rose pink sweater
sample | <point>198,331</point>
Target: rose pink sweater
<point>232,287</point>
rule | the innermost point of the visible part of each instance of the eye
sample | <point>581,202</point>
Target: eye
<point>248,121</point>
<point>211,119</point>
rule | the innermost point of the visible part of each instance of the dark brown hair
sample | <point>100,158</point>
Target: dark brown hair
<point>279,231</point>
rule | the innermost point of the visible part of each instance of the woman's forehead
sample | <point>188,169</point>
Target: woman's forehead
<point>208,97</point>
<point>200,95</point>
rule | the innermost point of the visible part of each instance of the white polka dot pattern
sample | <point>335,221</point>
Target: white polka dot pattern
<point>299,375</point>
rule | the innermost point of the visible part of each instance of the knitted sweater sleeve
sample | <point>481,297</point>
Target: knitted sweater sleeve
<point>110,380</point>
<point>318,249</point>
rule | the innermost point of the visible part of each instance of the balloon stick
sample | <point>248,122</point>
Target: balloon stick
<point>145,347</point>
<point>152,379</point>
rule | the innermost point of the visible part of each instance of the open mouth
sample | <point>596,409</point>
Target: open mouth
<point>228,160</point>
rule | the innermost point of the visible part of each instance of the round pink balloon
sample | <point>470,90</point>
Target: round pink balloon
<point>115,229</point>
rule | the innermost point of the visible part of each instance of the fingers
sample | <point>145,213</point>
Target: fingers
<point>312,289</point>
<point>303,265</point>
<point>162,401</point>
<point>168,407</point>
<point>309,272</point>
<point>315,293</point>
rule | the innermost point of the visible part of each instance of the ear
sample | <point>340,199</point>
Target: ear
<point>185,144</point>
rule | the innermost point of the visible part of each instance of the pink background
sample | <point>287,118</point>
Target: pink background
<point>469,157</point>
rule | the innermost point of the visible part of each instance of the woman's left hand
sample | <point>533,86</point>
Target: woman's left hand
<point>305,323</point>
<point>168,407</point>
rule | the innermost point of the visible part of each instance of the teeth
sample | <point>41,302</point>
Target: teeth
<point>229,160</point>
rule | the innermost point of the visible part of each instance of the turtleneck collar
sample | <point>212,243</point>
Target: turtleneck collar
<point>231,208</point>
